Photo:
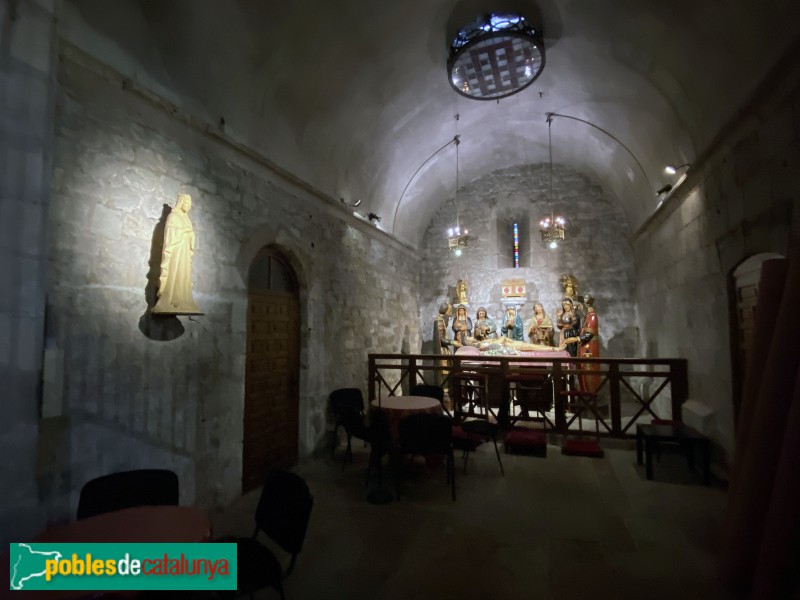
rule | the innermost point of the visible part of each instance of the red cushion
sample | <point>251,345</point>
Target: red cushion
<point>520,437</point>
<point>582,448</point>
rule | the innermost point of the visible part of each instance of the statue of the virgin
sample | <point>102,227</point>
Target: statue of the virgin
<point>175,283</point>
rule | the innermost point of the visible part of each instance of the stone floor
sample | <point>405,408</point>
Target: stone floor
<point>552,528</point>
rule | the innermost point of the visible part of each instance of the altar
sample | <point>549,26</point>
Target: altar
<point>500,377</point>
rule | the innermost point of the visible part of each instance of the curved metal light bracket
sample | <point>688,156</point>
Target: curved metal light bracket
<point>550,116</point>
<point>456,140</point>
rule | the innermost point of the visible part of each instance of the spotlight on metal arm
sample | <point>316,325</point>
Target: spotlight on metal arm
<point>664,189</point>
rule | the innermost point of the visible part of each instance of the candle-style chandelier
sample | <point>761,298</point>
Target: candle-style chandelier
<point>552,227</point>
<point>457,238</point>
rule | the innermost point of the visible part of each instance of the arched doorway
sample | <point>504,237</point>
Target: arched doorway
<point>743,299</point>
<point>272,368</point>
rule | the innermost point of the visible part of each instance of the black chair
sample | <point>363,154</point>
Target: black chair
<point>471,410</point>
<point>143,487</point>
<point>431,391</point>
<point>283,512</point>
<point>344,399</point>
<point>425,434</point>
<point>377,434</point>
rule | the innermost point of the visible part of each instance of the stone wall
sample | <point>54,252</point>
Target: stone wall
<point>143,393</point>
<point>596,250</point>
<point>27,80</point>
<point>743,200</point>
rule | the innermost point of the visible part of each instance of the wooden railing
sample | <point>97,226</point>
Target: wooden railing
<point>620,405</point>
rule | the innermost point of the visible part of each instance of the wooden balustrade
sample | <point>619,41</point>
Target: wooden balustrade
<point>394,374</point>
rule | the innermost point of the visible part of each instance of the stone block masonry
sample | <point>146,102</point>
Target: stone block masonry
<point>596,250</point>
<point>140,394</point>
<point>27,81</point>
<point>744,201</point>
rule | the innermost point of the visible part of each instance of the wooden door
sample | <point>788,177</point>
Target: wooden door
<point>272,370</point>
<point>743,290</point>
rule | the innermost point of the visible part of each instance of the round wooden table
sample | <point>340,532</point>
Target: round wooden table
<point>160,524</point>
<point>139,524</point>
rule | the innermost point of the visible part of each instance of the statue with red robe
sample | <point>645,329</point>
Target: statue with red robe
<point>589,342</point>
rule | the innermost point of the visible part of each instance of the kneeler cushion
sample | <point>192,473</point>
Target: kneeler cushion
<point>582,448</point>
<point>522,438</point>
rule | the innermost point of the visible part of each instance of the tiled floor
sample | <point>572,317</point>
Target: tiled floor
<point>552,528</point>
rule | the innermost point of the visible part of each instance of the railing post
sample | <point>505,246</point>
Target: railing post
<point>679,386</point>
<point>558,387</point>
<point>616,402</point>
<point>504,410</point>
<point>371,380</point>
<point>412,373</point>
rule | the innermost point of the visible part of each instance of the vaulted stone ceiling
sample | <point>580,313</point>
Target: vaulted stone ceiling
<point>352,96</point>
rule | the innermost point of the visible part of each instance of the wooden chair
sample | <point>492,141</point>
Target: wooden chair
<point>579,445</point>
<point>529,393</point>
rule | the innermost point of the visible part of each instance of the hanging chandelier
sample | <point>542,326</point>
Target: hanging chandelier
<point>552,230</point>
<point>457,238</point>
<point>552,227</point>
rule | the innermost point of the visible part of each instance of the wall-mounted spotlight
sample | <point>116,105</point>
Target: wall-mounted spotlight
<point>664,189</point>
<point>670,170</point>
<point>374,218</point>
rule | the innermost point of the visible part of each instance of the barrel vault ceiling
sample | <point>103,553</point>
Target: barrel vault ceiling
<point>352,96</point>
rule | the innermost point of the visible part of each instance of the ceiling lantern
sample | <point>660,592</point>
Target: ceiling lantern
<point>495,56</point>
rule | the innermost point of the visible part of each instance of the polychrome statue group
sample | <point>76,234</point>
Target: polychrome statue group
<point>576,321</point>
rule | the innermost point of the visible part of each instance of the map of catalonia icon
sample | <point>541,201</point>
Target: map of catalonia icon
<point>29,564</point>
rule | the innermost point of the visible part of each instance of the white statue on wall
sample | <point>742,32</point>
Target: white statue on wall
<point>175,282</point>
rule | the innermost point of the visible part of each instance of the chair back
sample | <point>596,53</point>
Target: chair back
<point>346,398</point>
<point>143,487</point>
<point>534,392</point>
<point>353,422</point>
<point>425,433</point>
<point>284,510</point>
<point>469,393</point>
<point>429,391</point>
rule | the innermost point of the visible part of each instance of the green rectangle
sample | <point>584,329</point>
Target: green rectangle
<point>203,566</point>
